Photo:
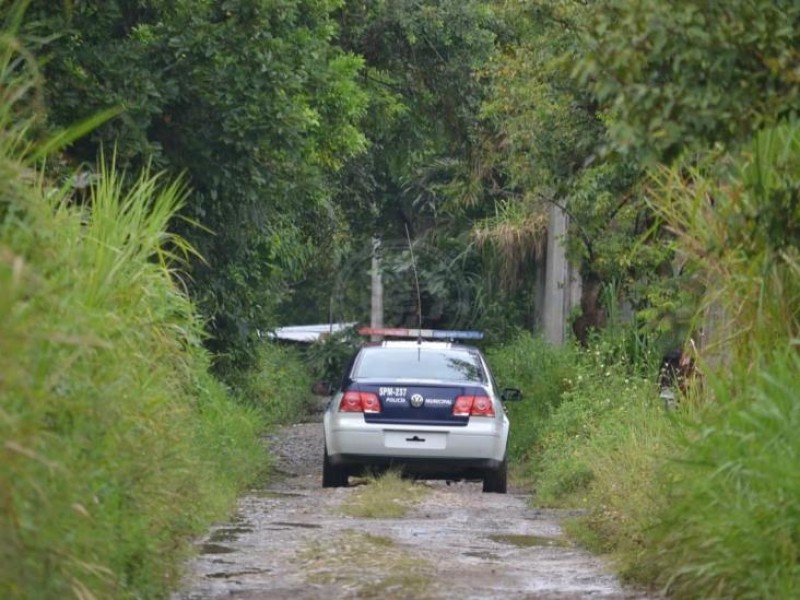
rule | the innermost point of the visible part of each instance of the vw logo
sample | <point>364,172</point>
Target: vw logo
<point>417,400</point>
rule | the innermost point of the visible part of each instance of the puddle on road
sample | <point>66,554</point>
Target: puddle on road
<point>301,525</point>
<point>210,548</point>
<point>293,543</point>
<point>482,555</point>
<point>261,493</point>
<point>529,541</point>
<point>228,575</point>
<point>228,534</point>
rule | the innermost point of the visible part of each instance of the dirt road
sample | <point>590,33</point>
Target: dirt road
<point>290,540</point>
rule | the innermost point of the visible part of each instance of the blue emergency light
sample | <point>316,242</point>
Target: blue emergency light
<point>436,334</point>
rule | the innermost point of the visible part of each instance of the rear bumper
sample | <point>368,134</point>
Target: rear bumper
<point>433,452</point>
<point>452,468</point>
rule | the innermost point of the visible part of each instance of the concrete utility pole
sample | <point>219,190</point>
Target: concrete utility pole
<point>562,289</point>
<point>376,303</point>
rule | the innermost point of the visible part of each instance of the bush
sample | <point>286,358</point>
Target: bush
<point>543,373</point>
<point>597,443</point>
<point>278,386</point>
<point>596,418</point>
<point>327,357</point>
<point>117,443</point>
<point>730,527</point>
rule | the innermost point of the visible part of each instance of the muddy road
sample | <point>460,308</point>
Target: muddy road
<point>291,540</point>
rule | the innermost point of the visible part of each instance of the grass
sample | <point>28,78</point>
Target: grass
<point>699,502</point>
<point>117,444</point>
<point>595,443</point>
<point>368,566</point>
<point>278,386</point>
<point>386,497</point>
<point>543,373</point>
<point>730,525</point>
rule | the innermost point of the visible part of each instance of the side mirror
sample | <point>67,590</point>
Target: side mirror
<point>322,388</point>
<point>511,395</point>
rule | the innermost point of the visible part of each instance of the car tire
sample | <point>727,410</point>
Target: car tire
<point>496,481</point>
<point>332,476</point>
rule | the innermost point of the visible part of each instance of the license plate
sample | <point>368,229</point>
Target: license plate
<point>415,439</point>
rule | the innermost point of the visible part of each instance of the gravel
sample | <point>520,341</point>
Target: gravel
<point>289,539</point>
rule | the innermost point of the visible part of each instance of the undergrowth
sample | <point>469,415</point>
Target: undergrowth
<point>117,444</point>
<point>387,496</point>
<point>543,373</point>
<point>698,501</point>
<point>278,386</point>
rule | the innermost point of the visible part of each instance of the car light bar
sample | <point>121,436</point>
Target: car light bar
<point>436,334</point>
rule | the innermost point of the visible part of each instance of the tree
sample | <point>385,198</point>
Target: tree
<point>250,98</point>
<point>688,74</point>
<point>421,60</point>
<point>549,133</point>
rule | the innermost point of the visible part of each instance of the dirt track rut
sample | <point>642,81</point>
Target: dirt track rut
<point>289,540</point>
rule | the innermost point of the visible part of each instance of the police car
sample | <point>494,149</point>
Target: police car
<point>426,405</point>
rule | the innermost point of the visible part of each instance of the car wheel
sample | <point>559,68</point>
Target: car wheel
<point>332,476</point>
<point>496,482</point>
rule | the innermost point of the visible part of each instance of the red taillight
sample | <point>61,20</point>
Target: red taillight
<point>463,406</point>
<point>474,406</point>
<point>360,402</point>
<point>370,403</point>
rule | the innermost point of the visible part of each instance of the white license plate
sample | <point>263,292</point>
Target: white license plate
<point>414,439</point>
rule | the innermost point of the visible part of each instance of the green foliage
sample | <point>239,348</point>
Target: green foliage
<point>547,146</point>
<point>546,126</point>
<point>690,74</point>
<point>117,443</point>
<point>277,386</point>
<point>421,61</point>
<point>249,98</point>
<point>543,373</point>
<point>724,527</point>
<point>590,422</point>
<point>730,526</point>
<point>327,358</point>
<point>735,218</point>
<point>696,502</point>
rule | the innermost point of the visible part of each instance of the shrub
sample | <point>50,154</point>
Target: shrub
<point>278,386</point>
<point>543,373</point>
<point>730,527</point>
<point>117,443</point>
<point>593,421</point>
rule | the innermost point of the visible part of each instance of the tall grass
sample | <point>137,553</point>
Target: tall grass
<point>278,387</point>
<point>543,373</point>
<point>730,527</point>
<point>730,524</point>
<point>737,220</point>
<point>700,501</point>
<point>596,428</point>
<point>116,443</point>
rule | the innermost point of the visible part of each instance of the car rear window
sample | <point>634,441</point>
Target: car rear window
<point>419,363</point>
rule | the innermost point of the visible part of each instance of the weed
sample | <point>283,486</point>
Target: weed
<point>543,373</point>
<point>369,566</point>
<point>117,443</point>
<point>730,526</point>
<point>386,497</point>
<point>277,386</point>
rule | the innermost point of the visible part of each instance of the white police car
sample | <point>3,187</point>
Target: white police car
<point>429,408</point>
